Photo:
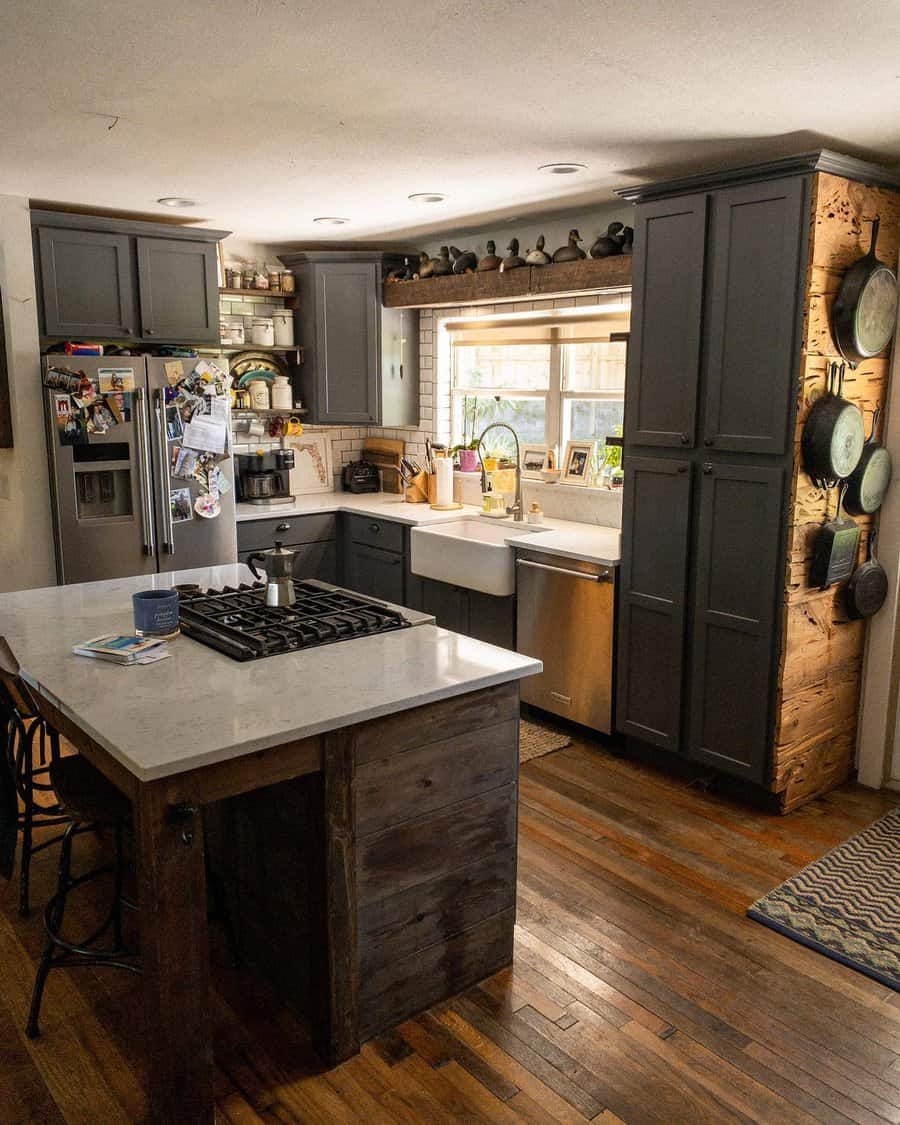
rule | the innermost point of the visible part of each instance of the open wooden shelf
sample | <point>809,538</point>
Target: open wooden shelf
<point>289,297</point>
<point>559,279</point>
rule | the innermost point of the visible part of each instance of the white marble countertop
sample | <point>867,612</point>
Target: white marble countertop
<point>199,706</point>
<point>584,541</point>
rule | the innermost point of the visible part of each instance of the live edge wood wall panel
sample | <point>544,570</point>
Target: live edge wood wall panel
<point>821,660</point>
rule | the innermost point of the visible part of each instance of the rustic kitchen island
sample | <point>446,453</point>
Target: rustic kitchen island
<point>361,799</point>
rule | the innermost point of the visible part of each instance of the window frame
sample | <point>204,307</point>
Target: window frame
<point>556,398</point>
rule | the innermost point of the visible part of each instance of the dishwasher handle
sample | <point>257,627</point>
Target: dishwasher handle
<point>605,577</point>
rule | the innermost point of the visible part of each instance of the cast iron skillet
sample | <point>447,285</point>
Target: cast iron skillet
<point>865,310</point>
<point>868,482</point>
<point>868,585</point>
<point>833,434</point>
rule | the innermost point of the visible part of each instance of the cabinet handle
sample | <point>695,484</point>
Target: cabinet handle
<point>682,468</point>
<point>685,439</point>
<point>125,329</point>
<point>709,441</point>
<point>283,527</point>
<point>707,467</point>
<point>150,332</point>
<point>374,528</point>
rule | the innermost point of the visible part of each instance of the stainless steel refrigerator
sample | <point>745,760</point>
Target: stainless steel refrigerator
<point>118,510</point>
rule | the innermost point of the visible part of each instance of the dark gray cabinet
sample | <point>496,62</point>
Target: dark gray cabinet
<point>734,662</point>
<point>360,361</point>
<point>179,289</point>
<point>376,573</point>
<point>87,283</point>
<point>486,618</point>
<point>664,345</point>
<point>713,363</point>
<point>314,538</point>
<point>110,279</point>
<point>653,591</point>
<point>757,236</point>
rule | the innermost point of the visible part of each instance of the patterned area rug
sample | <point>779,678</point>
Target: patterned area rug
<point>535,741</point>
<point>846,904</point>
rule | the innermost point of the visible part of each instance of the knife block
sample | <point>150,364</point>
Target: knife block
<point>417,489</point>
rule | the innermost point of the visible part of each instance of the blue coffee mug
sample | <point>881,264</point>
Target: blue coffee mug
<point>155,613</point>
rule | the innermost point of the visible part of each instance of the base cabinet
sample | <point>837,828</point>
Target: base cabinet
<point>482,616</point>
<point>313,538</point>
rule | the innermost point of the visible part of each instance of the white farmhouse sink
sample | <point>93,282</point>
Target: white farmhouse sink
<point>470,552</point>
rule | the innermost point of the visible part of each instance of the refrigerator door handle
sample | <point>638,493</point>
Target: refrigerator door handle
<point>144,473</point>
<point>163,445</point>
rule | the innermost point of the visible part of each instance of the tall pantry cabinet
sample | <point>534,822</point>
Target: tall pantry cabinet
<point>722,287</point>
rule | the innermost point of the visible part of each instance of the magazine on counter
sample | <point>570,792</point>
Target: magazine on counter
<point>124,650</point>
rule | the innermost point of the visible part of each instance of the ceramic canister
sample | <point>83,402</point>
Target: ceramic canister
<point>262,331</point>
<point>283,320</point>
<point>282,394</point>
<point>259,394</point>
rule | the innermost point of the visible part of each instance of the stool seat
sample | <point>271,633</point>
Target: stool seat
<point>85,794</point>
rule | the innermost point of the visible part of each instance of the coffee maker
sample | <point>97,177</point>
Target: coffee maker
<point>264,478</point>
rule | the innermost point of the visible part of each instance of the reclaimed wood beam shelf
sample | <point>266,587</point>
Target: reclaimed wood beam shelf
<point>587,275</point>
<point>249,347</point>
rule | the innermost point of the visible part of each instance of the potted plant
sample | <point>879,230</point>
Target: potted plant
<point>467,450</point>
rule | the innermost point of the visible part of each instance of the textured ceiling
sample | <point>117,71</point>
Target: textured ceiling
<point>271,112</point>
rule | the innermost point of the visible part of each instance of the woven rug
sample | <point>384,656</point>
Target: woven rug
<point>846,904</point>
<point>535,741</point>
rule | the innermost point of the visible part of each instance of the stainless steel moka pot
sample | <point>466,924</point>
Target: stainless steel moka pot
<point>278,565</point>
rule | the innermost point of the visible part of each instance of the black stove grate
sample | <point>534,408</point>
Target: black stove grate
<point>237,621</point>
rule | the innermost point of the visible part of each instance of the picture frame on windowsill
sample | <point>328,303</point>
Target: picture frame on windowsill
<point>534,460</point>
<point>577,462</point>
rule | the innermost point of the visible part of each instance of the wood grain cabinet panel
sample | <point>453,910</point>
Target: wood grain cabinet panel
<point>734,660</point>
<point>752,324</point>
<point>653,579</point>
<point>664,347</point>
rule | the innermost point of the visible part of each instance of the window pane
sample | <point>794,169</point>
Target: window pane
<point>515,367</point>
<point>592,419</point>
<point>594,367</point>
<point>527,416</point>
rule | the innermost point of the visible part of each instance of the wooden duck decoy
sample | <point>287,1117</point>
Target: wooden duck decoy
<point>490,261</point>
<point>442,266</point>
<point>513,261</point>
<point>572,252</point>
<point>538,256</point>
<point>627,237</point>
<point>464,261</point>
<point>609,243</point>
<point>426,266</point>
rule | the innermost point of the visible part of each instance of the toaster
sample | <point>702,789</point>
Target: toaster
<point>360,476</point>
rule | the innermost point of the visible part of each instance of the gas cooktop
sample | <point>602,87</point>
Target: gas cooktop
<point>237,621</point>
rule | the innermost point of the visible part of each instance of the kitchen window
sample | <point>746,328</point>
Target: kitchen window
<point>552,382</point>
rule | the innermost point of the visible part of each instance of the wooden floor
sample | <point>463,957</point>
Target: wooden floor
<point>640,992</point>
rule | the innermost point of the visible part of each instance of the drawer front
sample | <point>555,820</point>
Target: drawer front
<point>430,777</point>
<point>384,534</point>
<point>260,534</point>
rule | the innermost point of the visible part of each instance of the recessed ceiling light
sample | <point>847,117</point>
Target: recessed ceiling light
<point>568,169</point>
<point>427,197</point>
<point>176,201</point>
<point>330,221</point>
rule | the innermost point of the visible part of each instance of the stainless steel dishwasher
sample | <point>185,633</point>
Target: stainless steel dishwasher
<point>564,617</point>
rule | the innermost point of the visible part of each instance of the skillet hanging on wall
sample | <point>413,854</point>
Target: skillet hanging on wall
<point>834,554</point>
<point>868,586</point>
<point>833,434</point>
<point>868,482</point>
<point>864,313</point>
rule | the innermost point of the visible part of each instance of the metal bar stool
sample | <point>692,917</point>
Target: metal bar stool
<point>90,802</point>
<point>30,748</point>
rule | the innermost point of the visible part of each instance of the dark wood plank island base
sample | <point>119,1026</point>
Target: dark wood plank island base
<point>370,872</point>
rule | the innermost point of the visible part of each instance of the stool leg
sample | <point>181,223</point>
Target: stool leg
<point>27,752</point>
<point>53,922</point>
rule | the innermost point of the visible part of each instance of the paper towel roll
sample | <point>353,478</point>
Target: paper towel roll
<point>443,470</point>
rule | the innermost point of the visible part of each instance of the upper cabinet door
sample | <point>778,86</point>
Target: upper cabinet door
<point>87,283</point>
<point>664,349</point>
<point>756,271</point>
<point>738,581</point>
<point>346,302</point>
<point>179,290</point>
<point>653,579</point>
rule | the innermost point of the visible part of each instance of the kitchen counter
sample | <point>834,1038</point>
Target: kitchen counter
<point>357,800</point>
<point>564,538</point>
<point>199,706</point>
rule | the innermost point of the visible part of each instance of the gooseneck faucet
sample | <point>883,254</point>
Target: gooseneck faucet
<point>516,509</point>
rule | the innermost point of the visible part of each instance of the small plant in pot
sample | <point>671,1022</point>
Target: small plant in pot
<point>466,453</point>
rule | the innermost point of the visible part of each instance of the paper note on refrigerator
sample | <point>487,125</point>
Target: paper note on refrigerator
<point>205,433</point>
